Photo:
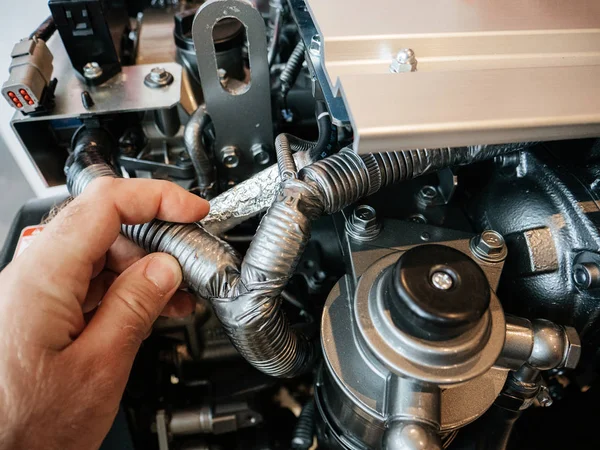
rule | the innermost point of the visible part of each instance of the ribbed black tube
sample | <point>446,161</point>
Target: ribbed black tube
<point>305,428</point>
<point>292,69</point>
<point>405,165</point>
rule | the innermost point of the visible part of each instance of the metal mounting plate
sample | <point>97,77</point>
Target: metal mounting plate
<point>488,72</point>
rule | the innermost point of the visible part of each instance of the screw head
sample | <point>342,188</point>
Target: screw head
<point>92,70</point>
<point>260,154</point>
<point>428,192</point>
<point>363,224</point>
<point>405,61</point>
<point>158,73</point>
<point>544,397</point>
<point>158,77</point>
<point>489,246</point>
<point>230,157</point>
<point>441,280</point>
<point>586,275</point>
<point>315,45</point>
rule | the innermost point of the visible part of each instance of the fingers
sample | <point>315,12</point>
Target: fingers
<point>84,230</point>
<point>181,305</point>
<point>122,254</point>
<point>99,286</point>
<point>129,308</point>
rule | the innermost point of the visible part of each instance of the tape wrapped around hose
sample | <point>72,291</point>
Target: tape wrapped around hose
<point>246,296</point>
<point>254,319</point>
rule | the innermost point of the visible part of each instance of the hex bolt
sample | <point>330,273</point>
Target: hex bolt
<point>573,349</point>
<point>441,280</point>
<point>92,70</point>
<point>405,61</point>
<point>260,154</point>
<point>586,275</point>
<point>315,45</point>
<point>428,193</point>
<point>489,246</point>
<point>363,224</point>
<point>158,77</point>
<point>544,398</point>
<point>229,157</point>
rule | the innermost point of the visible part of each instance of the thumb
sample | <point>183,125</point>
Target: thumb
<point>129,308</point>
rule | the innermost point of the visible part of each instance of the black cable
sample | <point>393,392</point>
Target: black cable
<point>291,71</point>
<point>305,428</point>
<point>319,151</point>
<point>45,30</point>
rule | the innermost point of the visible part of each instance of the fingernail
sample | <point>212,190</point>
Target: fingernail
<point>164,272</point>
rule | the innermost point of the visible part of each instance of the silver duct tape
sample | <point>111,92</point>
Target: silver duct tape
<point>254,319</point>
<point>342,179</point>
<point>210,266</point>
<point>247,199</point>
<point>86,175</point>
<point>192,137</point>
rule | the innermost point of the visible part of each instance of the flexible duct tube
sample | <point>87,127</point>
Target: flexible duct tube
<point>292,69</point>
<point>248,300</point>
<point>192,137</point>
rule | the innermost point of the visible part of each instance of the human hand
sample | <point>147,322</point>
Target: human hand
<point>61,380</point>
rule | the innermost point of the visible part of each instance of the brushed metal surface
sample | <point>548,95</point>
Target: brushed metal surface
<point>488,72</point>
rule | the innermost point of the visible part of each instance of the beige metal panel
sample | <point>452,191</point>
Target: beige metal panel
<point>489,71</point>
<point>438,109</point>
<point>343,19</point>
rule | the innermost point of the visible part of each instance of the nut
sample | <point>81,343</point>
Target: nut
<point>158,77</point>
<point>229,157</point>
<point>363,224</point>
<point>489,246</point>
<point>92,70</point>
<point>573,349</point>
<point>260,154</point>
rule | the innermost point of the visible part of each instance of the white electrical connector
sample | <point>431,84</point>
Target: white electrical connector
<point>30,76</point>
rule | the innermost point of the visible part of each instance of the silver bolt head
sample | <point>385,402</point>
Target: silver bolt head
<point>428,192</point>
<point>315,45</point>
<point>544,397</point>
<point>441,280</point>
<point>573,349</point>
<point>363,224</point>
<point>229,157</point>
<point>260,155</point>
<point>364,217</point>
<point>405,61</point>
<point>158,74</point>
<point>489,246</point>
<point>92,70</point>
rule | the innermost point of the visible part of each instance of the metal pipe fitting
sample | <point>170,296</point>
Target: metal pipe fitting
<point>541,344</point>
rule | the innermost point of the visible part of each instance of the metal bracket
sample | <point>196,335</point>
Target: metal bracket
<point>241,117</point>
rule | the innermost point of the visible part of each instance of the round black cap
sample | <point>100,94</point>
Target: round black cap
<point>437,293</point>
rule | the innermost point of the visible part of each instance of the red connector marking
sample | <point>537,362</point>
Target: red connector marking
<point>30,102</point>
<point>23,92</point>
<point>19,105</point>
<point>11,95</point>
